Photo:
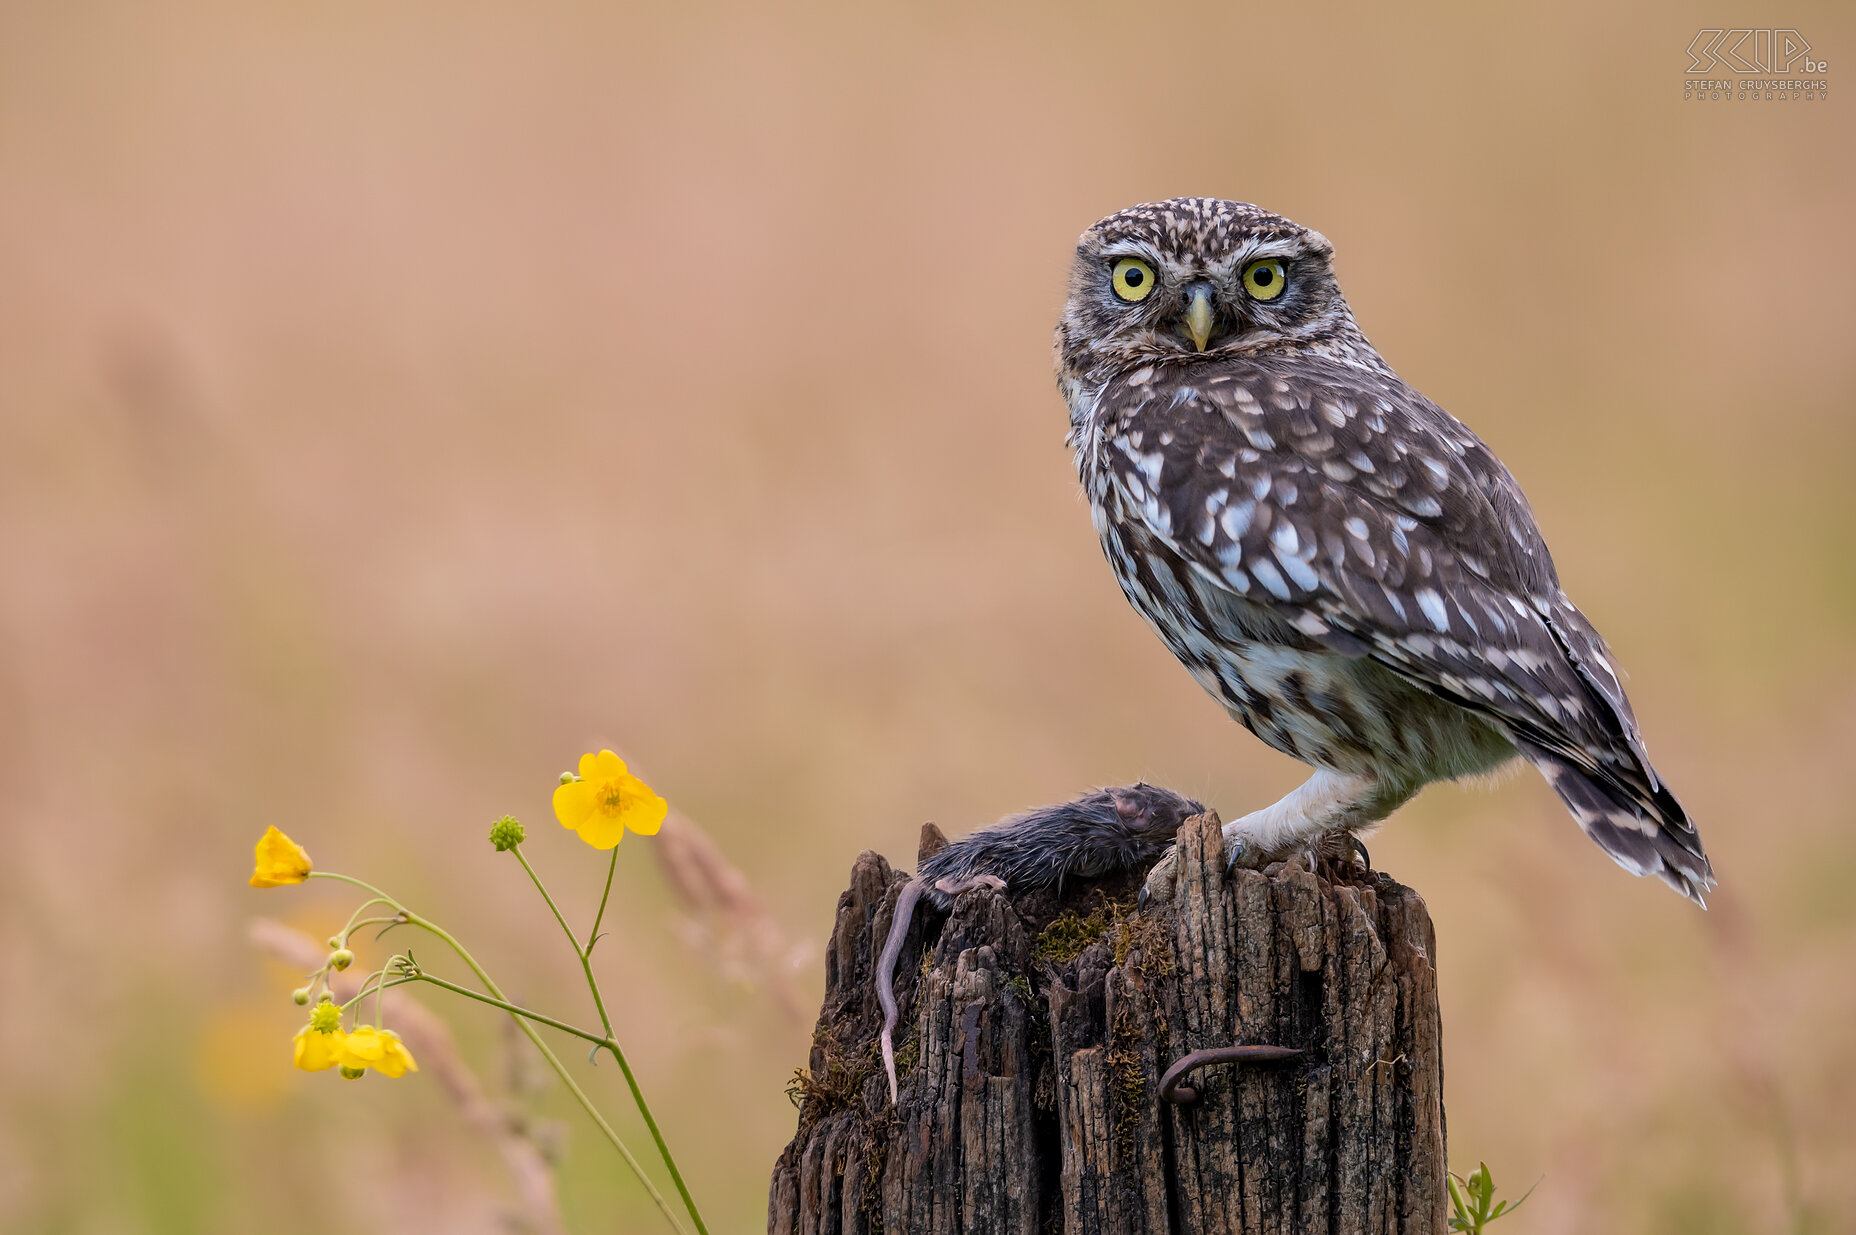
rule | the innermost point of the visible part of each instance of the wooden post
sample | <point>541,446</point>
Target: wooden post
<point>1035,1035</point>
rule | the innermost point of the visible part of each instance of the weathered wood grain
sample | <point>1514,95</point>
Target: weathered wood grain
<point>1030,1070</point>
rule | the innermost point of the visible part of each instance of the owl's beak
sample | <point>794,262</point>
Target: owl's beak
<point>1198,317</point>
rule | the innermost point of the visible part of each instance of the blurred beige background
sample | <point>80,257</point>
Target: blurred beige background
<point>397,400</point>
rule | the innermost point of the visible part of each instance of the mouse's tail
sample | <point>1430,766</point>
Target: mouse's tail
<point>886,974</point>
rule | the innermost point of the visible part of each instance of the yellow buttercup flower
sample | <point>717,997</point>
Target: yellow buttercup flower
<point>319,1042</point>
<point>379,1049</point>
<point>278,861</point>
<point>608,801</point>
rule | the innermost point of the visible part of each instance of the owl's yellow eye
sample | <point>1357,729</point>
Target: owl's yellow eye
<point>1134,279</point>
<point>1265,280</point>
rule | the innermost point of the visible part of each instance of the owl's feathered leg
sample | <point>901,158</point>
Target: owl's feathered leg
<point>1325,803</point>
<point>1328,801</point>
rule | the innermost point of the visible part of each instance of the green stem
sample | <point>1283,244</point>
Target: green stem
<point>364,886</point>
<point>360,909</point>
<point>528,1030</point>
<point>395,920</point>
<point>612,1043</point>
<point>644,1109</point>
<point>543,889</point>
<point>365,991</point>
<point>554,1062</point>
<point>359,995</point>
<point>592,936</point>
<point>505,1005</point>
<point>516,1010</point>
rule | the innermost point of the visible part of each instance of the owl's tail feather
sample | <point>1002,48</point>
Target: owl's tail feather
<point>1645,837</point>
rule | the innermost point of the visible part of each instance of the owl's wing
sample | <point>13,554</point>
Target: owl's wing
<point>1373,522</point>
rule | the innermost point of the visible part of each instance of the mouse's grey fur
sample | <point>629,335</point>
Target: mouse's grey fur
<point>1097,834</point>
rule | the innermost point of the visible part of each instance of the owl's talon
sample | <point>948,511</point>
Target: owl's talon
<point>1237,852</point>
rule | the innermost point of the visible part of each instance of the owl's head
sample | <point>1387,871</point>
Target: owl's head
<point>1197,276</point>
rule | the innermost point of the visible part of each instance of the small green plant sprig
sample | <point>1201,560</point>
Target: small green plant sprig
<point>601,802</point>
<point>1472,1200</point>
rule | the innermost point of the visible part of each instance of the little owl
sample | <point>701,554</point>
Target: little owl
<point>1347,569</point>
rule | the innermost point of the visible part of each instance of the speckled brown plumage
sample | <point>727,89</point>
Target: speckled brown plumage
<point>1346,567</point>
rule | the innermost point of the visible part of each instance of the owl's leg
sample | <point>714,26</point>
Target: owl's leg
<point>1327,802</point>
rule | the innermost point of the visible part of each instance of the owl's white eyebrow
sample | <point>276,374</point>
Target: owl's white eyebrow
<point>1131,248</point>
<point>1251,251</point>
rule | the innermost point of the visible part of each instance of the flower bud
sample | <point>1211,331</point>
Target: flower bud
<point>341,958</point>
<point>300,996</point>
<point>335,941</point>
<point>568,778</point>
<point>352,1074</point>
<point>506,833</point>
